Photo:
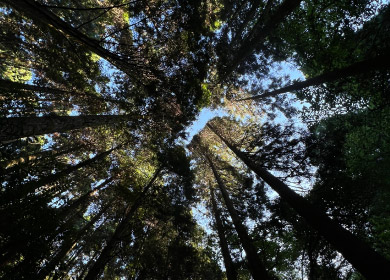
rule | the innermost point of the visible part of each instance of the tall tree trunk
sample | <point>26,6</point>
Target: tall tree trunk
<point>22,160</point>
<point>87,266</point>
<point>36,11</point>
<point>11,86</point>
<point>66,216</point>
<point>361,67</point>
<point>68,245</point>
<point>136,263</point>
<point>24,90</point>
<point>8,253</point>
<point>25,160</point>
<point>368,262</point>
<point>123,227</point>
<point>33,185</point>
<point>231,272</point>
<point>258,34</point>
<point>82,199</point>
<point>19,127</point>
<point>312,265</point>
<point>255,265</point>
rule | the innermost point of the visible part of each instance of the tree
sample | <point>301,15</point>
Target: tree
<point>32,186</point>
<point>22,91</point>
<point>96,98</point>
<point>35,10</point>
<point>106,253</point>
<point>68,244</point>
<point>14,128</point>
<point>377,63</point>
<point>262,27</point>
<point>256,267</point>
<point>229,265</point>
<point>340,238</point>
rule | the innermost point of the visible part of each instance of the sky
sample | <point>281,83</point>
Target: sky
<point>207,114</point>
<point>204,116</point>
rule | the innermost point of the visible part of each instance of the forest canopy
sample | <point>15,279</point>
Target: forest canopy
<point>103,175</point>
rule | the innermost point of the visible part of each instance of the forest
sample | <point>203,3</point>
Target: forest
<point>195,139</point>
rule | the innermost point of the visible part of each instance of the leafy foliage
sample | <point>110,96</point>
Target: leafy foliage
<point>96,96</point>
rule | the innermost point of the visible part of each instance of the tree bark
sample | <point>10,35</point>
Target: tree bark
<point>8,253</point>
<point>22,160</point>
<point>59,94</point>
<point>33,185</point>
<point>10,86</point>
<point>231,272</point>
<point>68,245</point>
<point>19,127</point>
<point>255,265</point>
<point>87,9</point>
<point>379,62</point>
<point>66,216</point>
<point>36,11</point>
<point>368,262</point>
<point>25,160</point>
<point>83,199</point>
<point>123,227</point>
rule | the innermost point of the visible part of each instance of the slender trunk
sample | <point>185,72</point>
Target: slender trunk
<point>10,86</point>
<point>80,8</point>
<point>361,67</point>
<point>136,263</point>
<point>8,141</point>
<point>23,161</point>
<point>8,254</point>
<point>255,265</point>
<point>11,249</point>
<point>32,186</point>
<point>68,245</point>
<point>312,266</point>
<point>368,262</point>
<point>19,127</point>
<point>83,199</point>
<point>123,227</point>
<point>259,34</point>
<point>66,216</point>
<point>24,90</point>
<point>36,11</point>
<point>231,272</point>
<point>89,264</point>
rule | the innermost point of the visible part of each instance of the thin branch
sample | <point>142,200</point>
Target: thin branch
<point>121,29</point>
<point>93,19</point>
<point>89,8</point>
